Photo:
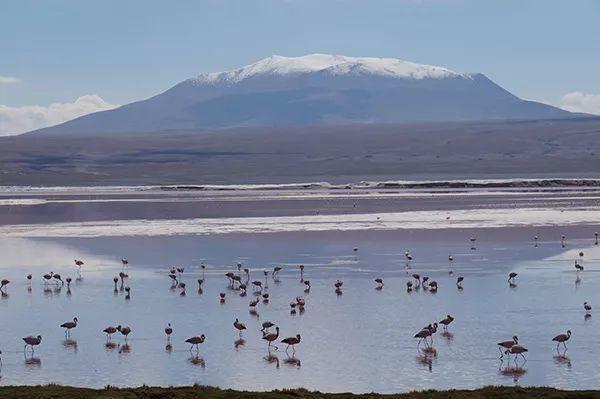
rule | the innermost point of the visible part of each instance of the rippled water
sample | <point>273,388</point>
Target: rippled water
<point>359,341</point>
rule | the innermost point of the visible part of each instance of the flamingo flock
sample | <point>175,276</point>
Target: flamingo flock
<point>239,282</point>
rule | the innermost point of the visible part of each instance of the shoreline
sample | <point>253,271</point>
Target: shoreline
<point>58,391</point>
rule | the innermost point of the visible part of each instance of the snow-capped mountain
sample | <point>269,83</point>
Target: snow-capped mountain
<point>316,89</point>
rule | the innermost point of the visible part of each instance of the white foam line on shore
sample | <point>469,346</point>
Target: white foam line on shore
<point>346,222</point>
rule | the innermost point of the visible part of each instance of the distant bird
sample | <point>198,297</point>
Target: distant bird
<point>115,280</point>
<point>512,276</point>
<point>182,286</point>
<point>239,326</point>
<point>379,282</point>
<point>128,293</point>
<point>271,337</point>
<point>417,278</point>
<point>58,278</point>
<point>124,261</point>
<point>32,341</point>
<point>168,331</point>
<point>535,239</point>
<point>562,240</point>
<point>450,261</point>
<point>222,297</point>
<point>29,277</point>
<point>517,350</point>
<point>596,237</point>
<point>68,326</point>
<point>3,285</point>
<point>291,341</point>
<point>307,285</point>
<point>47,277</point>
<point>433,286</point>
<point>69,280</point>
<point>561,339</point>
<point>276,271</point>
<point>254,302</point>
<point>507,344</point>
<point>587,307</point>
<point>79,263</point>
<point>446,321</point>
<point>409,286</point>
<point>423,335</point>
<point>125,331</point>
<point>266,325</point>
<point>578,266</point>
<point>200,282</point>
<point>257,285</point>
<point>109,331</point>
<point>459,281</point>
<point>195,341</point>
<point>473,239</point>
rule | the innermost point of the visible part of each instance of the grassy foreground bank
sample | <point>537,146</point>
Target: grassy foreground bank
<point>59,392</point>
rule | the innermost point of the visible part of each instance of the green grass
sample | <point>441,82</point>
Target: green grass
<point>201,392</point>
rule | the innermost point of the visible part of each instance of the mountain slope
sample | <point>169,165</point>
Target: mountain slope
<point>312,90</point>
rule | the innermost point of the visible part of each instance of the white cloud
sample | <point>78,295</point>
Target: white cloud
<point>581,102</point>
<point>16,120</point>
<point>5,80</point>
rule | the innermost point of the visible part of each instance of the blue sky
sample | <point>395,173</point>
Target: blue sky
<point>125,50</point>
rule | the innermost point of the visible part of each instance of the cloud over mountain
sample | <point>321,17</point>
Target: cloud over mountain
<point>15,120</point>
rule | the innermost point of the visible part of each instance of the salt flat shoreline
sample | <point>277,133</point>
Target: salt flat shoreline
<point>58,392</point>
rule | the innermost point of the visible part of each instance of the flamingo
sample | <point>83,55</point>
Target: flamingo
<point>168,331</point>
<point>32,341</point>
<point>3,285</point>
<point>507,344</point>
<point>446,321</point>
<point>47,277</point>
<point>596,238</point>
<point>511,277</point>
<point>195,341</point>
<point>517,350</point>
<point>459,281</point>
<point>379,282</point>
<point>222,297</point>
<point>266,325</point>
<point>450,261</point>
<point>301,273</point>
<point>561,339</point>
<point>291,341</point>
<point>125,331</point>
<point>423,334</point>
<point>409,286</point>
<point>587,307</point>
<point>271,337</point>
<point>68,326</point>
<point>239,326</point>
<point>307,285</point>
<point>109,331</point>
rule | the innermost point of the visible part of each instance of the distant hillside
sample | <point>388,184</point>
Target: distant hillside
<point>336,154</point>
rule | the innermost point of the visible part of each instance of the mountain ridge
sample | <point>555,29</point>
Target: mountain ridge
<point>316,89</point>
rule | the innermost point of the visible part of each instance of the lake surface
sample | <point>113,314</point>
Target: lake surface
<point>360,341</point>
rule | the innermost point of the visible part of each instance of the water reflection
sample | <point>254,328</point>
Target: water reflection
<point>292,361</point>
<point>562,359</point>
<point>70,344</point>
<point>515,372</point>
<point>109,345</point>
<point>426,357</point>
<point>272,358</point>
<point>197,360</point>
<point>32,361</point>
<point>125,348</point>
<point>238,343</point>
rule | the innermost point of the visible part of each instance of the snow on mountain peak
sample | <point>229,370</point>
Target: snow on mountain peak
<point>334,64</point>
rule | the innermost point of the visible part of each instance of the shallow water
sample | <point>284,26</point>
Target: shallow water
<point>359,341</point>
